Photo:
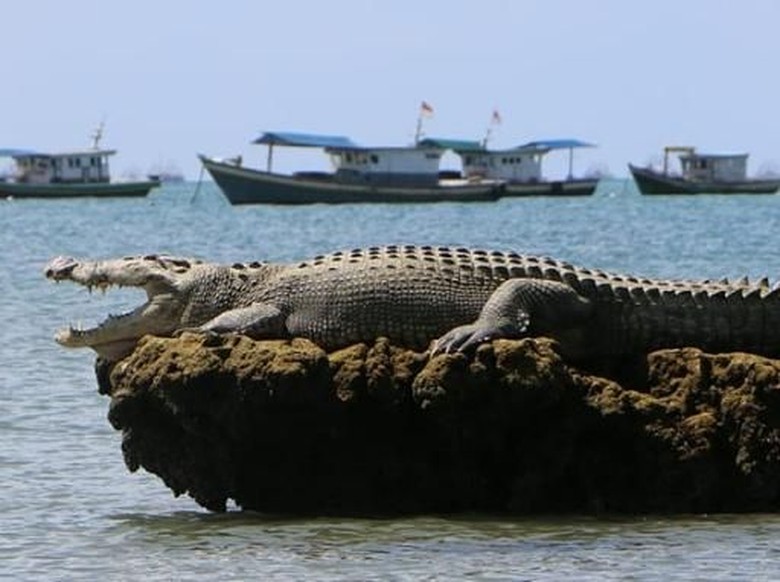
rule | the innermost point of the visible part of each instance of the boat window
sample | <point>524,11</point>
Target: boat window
<point>467,160</point>
<point>432,156</point>
<point>374,159</point>
<point>348,157</point>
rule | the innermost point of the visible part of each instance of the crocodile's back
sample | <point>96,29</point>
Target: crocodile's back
<point>415,294</point>
<point>410,294</point>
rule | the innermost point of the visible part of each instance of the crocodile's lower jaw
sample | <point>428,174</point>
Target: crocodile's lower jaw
<point>110,350</point>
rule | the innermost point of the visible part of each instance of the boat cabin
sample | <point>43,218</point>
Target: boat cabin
<point>512,165</point>
<point>387,166</point>
<point>714,167</point>
<point>63,168</point>
<point>522,164</point>
<point>353,164</point>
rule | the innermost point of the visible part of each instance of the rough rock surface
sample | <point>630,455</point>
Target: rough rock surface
<point>283,427</point>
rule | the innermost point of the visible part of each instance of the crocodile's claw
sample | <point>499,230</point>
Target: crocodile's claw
<point>465,338</point>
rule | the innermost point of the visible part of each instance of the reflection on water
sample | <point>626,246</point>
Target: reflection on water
<point>580,547</point>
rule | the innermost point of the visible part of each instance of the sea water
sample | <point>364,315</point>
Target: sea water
<point>69,509</point>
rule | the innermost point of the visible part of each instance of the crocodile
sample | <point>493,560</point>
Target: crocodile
<point>444,299</point>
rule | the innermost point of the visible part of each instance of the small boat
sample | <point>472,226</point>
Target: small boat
<point>71,174</point>
<point>361,174</point>
<point>702,174</point>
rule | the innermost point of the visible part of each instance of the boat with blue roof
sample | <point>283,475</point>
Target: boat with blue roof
<point>395,174</point>
<point>702,173</point>
<point>70,174</point>
<point>360,174</point>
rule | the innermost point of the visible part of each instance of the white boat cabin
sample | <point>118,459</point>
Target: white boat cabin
<point>509,165</point>
<point>714,167</point>
<point>401,166</point>
<point>519,164</point>
<point>63,168</point>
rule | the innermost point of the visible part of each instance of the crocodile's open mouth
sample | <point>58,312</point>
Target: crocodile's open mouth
<point>117,335</point>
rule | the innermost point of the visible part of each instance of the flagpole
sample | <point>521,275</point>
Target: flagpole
<point>425,111</point>
<point>487,137</point>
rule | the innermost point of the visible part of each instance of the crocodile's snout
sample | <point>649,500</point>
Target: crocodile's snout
<point>60,267</point>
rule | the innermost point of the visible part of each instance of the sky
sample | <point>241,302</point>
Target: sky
<point>172,78</point>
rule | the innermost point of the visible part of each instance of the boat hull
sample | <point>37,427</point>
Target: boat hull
<point>93,190</point>
<point>650,182</point>
<point>249,186</point>
<point>552,188</point>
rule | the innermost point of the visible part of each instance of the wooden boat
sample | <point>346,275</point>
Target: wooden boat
<point>70,174</point>
<point>702,174</point>
<point>242,185</point>
<point>361,175</point>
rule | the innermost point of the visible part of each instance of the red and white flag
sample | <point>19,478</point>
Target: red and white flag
<point>426,109</point>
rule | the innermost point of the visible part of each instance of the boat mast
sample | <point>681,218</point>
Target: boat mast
<point>495,119</point>
<point>97,135</point>
<point>425,111</point>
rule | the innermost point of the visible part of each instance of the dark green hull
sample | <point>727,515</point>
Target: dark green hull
<point>248,186</point>
<point>583,187</point>
<point>93,190</point>
<point>650,182</point>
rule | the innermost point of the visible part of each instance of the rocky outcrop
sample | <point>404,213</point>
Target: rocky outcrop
<point>283,427</point>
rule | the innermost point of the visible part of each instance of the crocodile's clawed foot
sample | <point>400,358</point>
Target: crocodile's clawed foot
<point>465,338</point>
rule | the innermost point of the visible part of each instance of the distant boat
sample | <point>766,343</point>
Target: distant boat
<point>167,173</point>
<point>77,173</point>
<point>702,174</point>
<point>361,174</point>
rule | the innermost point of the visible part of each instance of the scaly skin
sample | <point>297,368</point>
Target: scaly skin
<point>414,295</point>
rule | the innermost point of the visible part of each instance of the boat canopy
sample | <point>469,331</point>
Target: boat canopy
<point>20,153</point>
<point>16,152</point>
<point>556,144</point>
<point>457,145</point>
<point>308,140</point>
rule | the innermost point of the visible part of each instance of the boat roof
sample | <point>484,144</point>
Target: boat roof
<point>16,152</point>
<point>458,145</point>
<point>716,156</point>
<point>309,140</point>
<point>22,153</point>
<point>556,144</point>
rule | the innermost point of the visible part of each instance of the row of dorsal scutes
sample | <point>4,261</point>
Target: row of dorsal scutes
<point>511,264</point>
<point>591,282</point>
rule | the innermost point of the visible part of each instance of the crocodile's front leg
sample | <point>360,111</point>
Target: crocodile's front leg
<point>258,321</point>
<point>519,308</point>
